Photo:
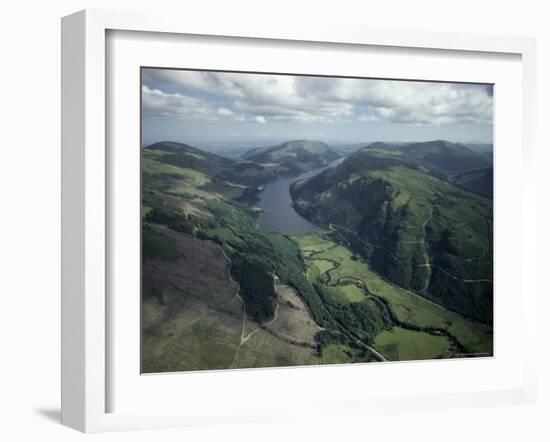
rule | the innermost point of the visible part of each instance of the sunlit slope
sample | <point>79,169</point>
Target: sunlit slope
<point>192,214</point>
<point>217,167</point>
<point>294,156</point>
<point>217,291</point>
<point>345,274</point>
<point>419,231</point>
<point>452,162</point>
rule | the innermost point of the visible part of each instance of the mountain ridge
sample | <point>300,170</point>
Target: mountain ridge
<point>296,156</point>
<point>418,230</point>
<point>452,162</point>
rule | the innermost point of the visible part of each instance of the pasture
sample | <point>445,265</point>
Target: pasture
<point>407,306</point>
<point>399,344</point>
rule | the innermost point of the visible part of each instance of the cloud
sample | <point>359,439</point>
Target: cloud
<point>301,99</point>
<point>368,118</point>
<point>158,103</point>
<point>225,112</point>
<point>405,101</point>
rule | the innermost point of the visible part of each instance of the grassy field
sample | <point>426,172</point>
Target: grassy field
<point>323,265</point>
<point>201,246</point>
<point>312,244</point>
<point>172,179</point>
<point>353,293</point>
<point>399,344</point>
<point>414,228</point>
<point>341,354</point>
<point>409,308</point>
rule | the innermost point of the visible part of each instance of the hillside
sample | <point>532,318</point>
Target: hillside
<point>443,157</point>
<point>237,171</point>
<point>394,207</point>
<point>478,180</point>
<point>217,291</point>
<point>294,157</point>
<point>453,162</point>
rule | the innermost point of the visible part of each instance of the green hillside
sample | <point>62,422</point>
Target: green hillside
<point>456,163</point>
<point>220,292</point>
<point>478,180</point>
<point>294,156</point>
<point>444,157</point>
<point>392,205</point>
<point>214,282</point>
<point>236,171</point>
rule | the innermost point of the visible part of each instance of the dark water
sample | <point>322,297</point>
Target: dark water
<point>279,215</point>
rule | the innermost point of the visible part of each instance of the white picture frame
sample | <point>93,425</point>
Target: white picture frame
<point>86,353</point>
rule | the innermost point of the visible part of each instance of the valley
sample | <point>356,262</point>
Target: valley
<point>300,255</point>
<point>396,208</point>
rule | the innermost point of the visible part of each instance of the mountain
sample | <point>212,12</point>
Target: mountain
<point>439,157</point>
<point>395,207</point>
<point>482,148</point>
<point>452,162</point>
<point>212,278</point>
<point>216,170</point>
<point>294,157</point>
<point>478,180</point>
<point>184,155</point>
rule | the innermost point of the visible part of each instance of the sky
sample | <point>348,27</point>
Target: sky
<point>204,107</point>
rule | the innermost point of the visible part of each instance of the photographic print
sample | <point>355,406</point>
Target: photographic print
<point>296,220</point>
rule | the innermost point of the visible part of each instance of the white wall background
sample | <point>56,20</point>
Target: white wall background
<point>30,220</point>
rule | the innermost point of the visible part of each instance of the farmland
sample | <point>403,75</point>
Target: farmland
<point>407,306</point>
<point>219,291</point>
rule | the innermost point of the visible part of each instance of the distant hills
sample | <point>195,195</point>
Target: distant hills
<point>397,206</point>
<point>419,213</point>
<point>294,156</point>
<point>442,157</point>
<point>484,149</point>
<point>255,168</point>
<point>395,235</point>
<point>216,167</point>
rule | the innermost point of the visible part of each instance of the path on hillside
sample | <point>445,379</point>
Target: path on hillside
<point>241,300</point>
<point>270,322</point>
<point>426,265</point>
<point>245,337</point>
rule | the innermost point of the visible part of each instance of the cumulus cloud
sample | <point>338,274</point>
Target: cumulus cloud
<point>158,103</point>
<point>225,112</point>
<point>180,106</point>
<point>253,97</point>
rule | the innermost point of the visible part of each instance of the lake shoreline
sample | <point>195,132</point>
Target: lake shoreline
<point>278,211</point>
